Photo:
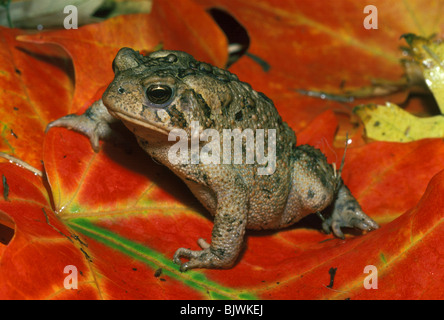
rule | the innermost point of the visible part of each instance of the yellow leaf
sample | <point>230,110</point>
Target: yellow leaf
<point>429,55</point>
<point>392,123</point>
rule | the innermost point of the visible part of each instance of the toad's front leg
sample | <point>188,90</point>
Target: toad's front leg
<point>94,123</point>
<point>227,236</point>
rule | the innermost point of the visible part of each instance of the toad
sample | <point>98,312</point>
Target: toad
<point>273,185</point>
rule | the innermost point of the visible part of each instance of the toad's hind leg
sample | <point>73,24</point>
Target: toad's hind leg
<point>313,184</point>
<point>316,186</point>
<point>347,213</point>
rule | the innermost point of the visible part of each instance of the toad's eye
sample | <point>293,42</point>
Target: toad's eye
<point>159,94</point>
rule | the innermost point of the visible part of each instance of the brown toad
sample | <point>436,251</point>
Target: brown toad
<point>158,94</point>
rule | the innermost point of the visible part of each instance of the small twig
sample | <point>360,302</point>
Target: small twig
<point>55,228</point>
<point>5,4</point>
<point>434,56</point>
<point>325,96</point>
<point>339,172</point>
<point>319,214</point>
<point>87,257</point>
<point>76,237</point>
<point>5,188</point>
<point>21,163</point>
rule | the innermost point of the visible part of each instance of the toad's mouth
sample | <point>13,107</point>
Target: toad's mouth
<point>134,124</point>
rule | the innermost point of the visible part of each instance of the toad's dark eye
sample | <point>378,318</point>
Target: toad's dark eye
<point>159,94</point>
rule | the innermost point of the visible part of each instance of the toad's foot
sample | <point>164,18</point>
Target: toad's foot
<point>347,213</point>
<point>205,258</point>
<point>94,123</point>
